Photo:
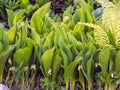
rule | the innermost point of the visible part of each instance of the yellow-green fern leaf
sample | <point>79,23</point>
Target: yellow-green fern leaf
<point>111,20</point>
<point>110,17</point>
<point>99,34</point>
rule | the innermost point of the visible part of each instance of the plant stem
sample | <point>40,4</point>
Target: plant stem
<point>46,88</point>
<point>8,75</point>
<point>52,88</point>
<point>72,83</point>
<point>1,72</point>
<point>83,87</point>
<point>106,87</point>
<point>22,78</point>
<point>89,88</point>
<point>89,85</point>
<point>111,87</point>
<point>67,86</point>
<point>11,83</point>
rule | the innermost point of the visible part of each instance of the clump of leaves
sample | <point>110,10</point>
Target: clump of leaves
<point>48,83</point>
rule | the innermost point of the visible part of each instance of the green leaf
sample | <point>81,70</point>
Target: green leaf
<point>5,38</point>
<point>57,61</point>
<point>18,16</point>
<point>104,58</point>
<point>37,18</point>
<point>86,6</point>
<point>81,77</point>
<point>11,16</point>
<point>30,8</point>
<point>77,31</point>
<point>88,17</point>
<point>23,33</point>
<point>76,17</point>
<point>37,23</point>
<point>3,35</point>
<point>91,2</point>
<point>89,67</point>
<point>40,2</point>
<point>90,38</point>
<point>65,48</point>
<point>65,58</point>
<point>4,55</point>
<point>1,46</point>
<point>22,55</point>
<point>117,62</point>
<point>42,11</point>
<point>1,32</point>
<point>11,35</point>
<point>49,40</point>
<point>59,33</point>
<point>73,42</point>
<point>30,43</point>
<point>70,69</point>
<point>36,37</point>
<point>24,3</point>
<point>46,61</point>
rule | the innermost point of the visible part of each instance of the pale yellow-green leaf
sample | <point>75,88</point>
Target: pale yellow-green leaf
<point>37,23</point>
<point>49,40</point>
<point>1,46</point>
<point>69,70</point>
<point>11,35</point>
<point>42,11</point>
<point>24,3</point>
<point>117,62</point>
<point>37,18</point>
<point>18,16</point>
<point>36,37</point>
<point>21,55</point>
<point>104,57</point>
<point>46,61</point>
<point>57,61</point>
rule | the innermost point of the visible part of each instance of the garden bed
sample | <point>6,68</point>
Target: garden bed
<point>60,44</point>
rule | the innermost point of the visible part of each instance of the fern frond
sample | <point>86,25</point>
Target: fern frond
<point>117,42</point>
<point>111,19</point>
<point>100,35</point>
